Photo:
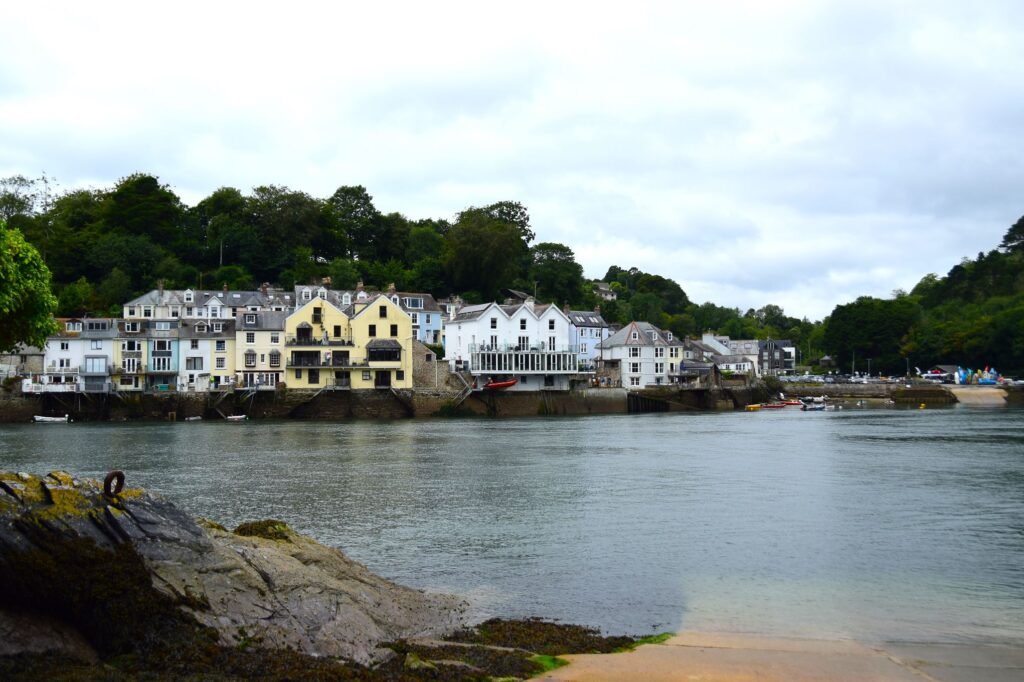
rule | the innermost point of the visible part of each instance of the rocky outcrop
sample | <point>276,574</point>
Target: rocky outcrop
<point>113,567</point>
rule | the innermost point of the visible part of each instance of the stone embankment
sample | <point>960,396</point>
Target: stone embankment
<point>92,573</point>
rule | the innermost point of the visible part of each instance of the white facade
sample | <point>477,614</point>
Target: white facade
<point>645,355</point>
<point>527,342</point>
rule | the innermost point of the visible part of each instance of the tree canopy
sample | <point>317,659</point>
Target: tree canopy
<point>26,303</point>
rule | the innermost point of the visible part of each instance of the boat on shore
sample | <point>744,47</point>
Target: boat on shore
<point>235,418</point>
<point>498,385</point>
<point>39,419</point>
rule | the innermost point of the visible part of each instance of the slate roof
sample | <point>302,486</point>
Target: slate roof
<point>189,329</point>
<point>587,318</point>
<point>623,337</point>
<point>202,297</point>
<point>384,344</point>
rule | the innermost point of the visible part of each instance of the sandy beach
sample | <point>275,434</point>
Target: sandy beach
<point>715,657</point>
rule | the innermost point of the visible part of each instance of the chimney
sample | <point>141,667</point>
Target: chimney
<point>326,281</point>
<point>391,288</point>
<point>264,287</point>
<point>597,308</point>
<point>528,303</point>
<point>160,287</point>
<point>225,287</point>
<point>565,309</point>
<point>359,285</point>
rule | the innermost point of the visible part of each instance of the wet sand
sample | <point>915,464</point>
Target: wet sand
<point>707,657</point>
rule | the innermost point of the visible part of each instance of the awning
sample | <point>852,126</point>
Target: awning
<point>384,344</point>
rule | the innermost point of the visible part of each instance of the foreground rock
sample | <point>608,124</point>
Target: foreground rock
<point>129,571</point>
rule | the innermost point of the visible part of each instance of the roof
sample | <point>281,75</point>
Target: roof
<point>266,320</point>
<point>732,359</point>
<point>190,329</point>
<point>587,318</point>
<point>232,298</point>
<point>474,312</point>
<point>647,335</point>
<point>384,344</point>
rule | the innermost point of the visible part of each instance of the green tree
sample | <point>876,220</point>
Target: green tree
<point>26,302</point>
<point>343,273</point>
<point>558,276</point>
<point>355,216</point>
<point>1013,240</point>
<point>510,212</point>
<point>76,299</point>
<point>114,290</point>
<point>485,253</point>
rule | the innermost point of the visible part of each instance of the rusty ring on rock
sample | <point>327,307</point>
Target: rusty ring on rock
<point>113,483</point>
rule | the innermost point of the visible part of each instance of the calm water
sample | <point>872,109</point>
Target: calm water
<point>880,524</point>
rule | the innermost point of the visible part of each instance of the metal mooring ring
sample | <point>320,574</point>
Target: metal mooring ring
<point>113,483</point>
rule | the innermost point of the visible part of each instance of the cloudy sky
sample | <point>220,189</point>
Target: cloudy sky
<point>796,153</point>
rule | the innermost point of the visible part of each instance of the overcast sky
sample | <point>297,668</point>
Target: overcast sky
<point>796,153</point>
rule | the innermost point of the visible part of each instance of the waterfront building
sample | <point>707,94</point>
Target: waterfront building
<point>527,342</point>
<point>130,356</point>
<point>640,355</point>
<point>208,355</point>
<point>586,330</point>
<point>382,338</point>
<point>426,315</point>
<point>318,343</point>
<point>259,346</point>
<point>199,304</point>
<point>22,361</point>
<point>77,358</point>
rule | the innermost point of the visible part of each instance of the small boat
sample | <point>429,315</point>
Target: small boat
<point>813,407</point>
<point>51,420</point>
<point>236,418</point>
<point>498,385</point>
<point>773,406</point>
<point>791,402</point>
<point>754,407</point>
<point>193,419</point>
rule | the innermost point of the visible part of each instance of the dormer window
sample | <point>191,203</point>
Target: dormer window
<point>218,327</point>
<point>669,335</point>
<point>394,299</point>
<point>634,336</point>
<point>307,295</point>
<point>321,293</point>
<point>361,296</point>
<point>346,299</point>
<point>250,318</point>
<point>73,326</point>
<point>190,297</point>
<point>201,328</point>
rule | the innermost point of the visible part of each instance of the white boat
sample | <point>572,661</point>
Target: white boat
<point>236,418</point>
<point>193,419</point>
<point>51,420</point>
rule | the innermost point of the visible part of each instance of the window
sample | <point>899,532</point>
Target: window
<point>161,344</point>
<point>383,311</point>
<point>131,326</point>
<point>250,318</point>
<point>162,326</point>
<point>659,352</point>
<point>64,345</point>
<point>275,359</point>
<point>175,311</point>
<point>318,315</point>
<point>494,323</point>
<point>673,352</point>
<point>337,331</point>
<point>189,311</point>
<point>220,363</point>
<point>346,299</point>
<point>95,365</point>
<point>193,364</point>
<point>524,343</point>
<point>147,311</point>
<point>522,324</point>
<point>96,326</point>
<point>583,348</point>
<point>161,364</point>
<point>399,375</point>
<point>189,296</point>
<point>73,326</point>
<point>64,363</point>
<point>218,327</point>
<point>659,368</point>
<point>275,338</point>
<point>634,381</point>
<point>366,376</point>
<point>551,325</point>
<point>321,293</point>
<point>194,344</point>
<point>428,318</point>
<point>263,358</point>
<point>96,344</point>
<point>250,359</point>
<point>415,318</point>
<point>131,345</point>
<point>634,367</point>
<point>307,295</point>
<point>414,302</point>
<point>131,311</point>
<point>201,328</point>
<point>298,373</point>
<point>214,311</point>
<point>250,337</point>
<point>221,345</point>
<point>394,330</point>
<point>373,330</point>
<point>634,352</point>
<point>551,343</point>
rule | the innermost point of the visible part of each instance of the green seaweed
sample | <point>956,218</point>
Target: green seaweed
<point>268,529</point>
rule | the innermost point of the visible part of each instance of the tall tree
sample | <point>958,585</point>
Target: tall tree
<point>26,302</point>
<point>485,253</point>
<point>353,212</point>
<point>558,276</point>
<point>1013,240</point>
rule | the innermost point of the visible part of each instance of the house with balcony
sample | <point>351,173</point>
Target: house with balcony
<point>161,368</point>
<point>318,346</point>
<point>382,336</point>
<point>526,341</point>
<point>207,349</point>
<point>130,356</point>
<point>586,330</point>
<point>641,355</point>
<point>259,349</point>
<point>426,315</point>
<point>78,358</point>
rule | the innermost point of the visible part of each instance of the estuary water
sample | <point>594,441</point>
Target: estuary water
<point>866,524</point>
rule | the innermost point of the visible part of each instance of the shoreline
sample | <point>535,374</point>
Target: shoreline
<point>731,657</point>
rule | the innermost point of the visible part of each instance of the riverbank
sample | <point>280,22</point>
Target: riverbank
<point>717,657</point>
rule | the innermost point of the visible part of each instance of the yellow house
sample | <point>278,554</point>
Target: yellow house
<point>382,344</point>
<point>259,345</point>
<point>318,341</point>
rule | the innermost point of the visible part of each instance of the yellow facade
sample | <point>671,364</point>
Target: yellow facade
<point>328,350</point>
<point>259,350</point>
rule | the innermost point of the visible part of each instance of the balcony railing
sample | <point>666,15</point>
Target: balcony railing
<point>334,362</point>
<point>313,341</point>
<point>541,347</point>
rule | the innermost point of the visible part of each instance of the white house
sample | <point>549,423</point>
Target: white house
<point>641,355</point>
<point>78,358</point>
<point>528,342</point>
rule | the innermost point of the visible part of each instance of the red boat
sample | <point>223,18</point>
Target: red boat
<point>497,385</point>
<point>772,406</point>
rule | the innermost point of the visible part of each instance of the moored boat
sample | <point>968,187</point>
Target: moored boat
<point>236,418</point>
<point>498,385</point>
<point>39,419</point>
